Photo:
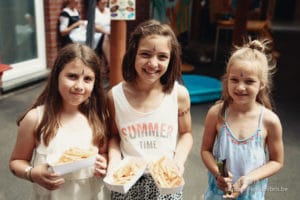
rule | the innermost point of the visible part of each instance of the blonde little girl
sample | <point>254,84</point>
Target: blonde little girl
<point>241,127</point>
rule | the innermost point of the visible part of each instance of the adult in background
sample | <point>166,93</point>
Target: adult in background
<point>69,20</point>
<point>102,25</point>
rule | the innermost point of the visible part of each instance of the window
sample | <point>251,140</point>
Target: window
<point>22,41</point>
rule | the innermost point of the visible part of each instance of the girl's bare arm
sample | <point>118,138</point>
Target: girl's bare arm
<point>24,146</point>
<point>114,152</point>
<point>208,139</point>
<point>185,140</point>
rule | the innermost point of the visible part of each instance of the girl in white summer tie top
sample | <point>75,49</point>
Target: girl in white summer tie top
<point>154,133</point>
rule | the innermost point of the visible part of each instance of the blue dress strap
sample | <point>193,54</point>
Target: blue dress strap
<point>261,117</point>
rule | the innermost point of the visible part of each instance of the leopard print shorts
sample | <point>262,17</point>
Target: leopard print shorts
<point>145,189</point>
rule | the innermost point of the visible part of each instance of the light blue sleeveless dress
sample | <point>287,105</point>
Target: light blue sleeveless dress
<point>242,156</point>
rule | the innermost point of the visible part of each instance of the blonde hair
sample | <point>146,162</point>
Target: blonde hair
<point>259,54</point>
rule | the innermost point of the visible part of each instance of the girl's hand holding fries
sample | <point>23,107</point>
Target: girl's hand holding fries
<point>166,173</point>
<point>180,167</point>
<point>100,165</point>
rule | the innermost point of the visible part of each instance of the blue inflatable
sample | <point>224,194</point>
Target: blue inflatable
<point>202,88</point>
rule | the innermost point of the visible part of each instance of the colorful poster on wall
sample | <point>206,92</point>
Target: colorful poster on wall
<point>122,9</point>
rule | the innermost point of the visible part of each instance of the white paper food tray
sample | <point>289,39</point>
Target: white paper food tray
<point>166,190</point>
<point>173,190</point>
<point>123,188</point>
<point>69,167</point>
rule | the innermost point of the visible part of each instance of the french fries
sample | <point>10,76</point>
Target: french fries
<point>126,172</point>
<point>166,173</point>
<point>75,154</point>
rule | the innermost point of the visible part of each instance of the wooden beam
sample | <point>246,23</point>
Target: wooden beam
<point>241,13</point>
<point>117,51</point>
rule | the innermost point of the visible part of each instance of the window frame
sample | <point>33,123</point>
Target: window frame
<point>32,69</point>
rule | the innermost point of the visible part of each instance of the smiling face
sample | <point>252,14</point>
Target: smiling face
<point>152,58</point>
<point>243,83</point>
<point>75,83</point>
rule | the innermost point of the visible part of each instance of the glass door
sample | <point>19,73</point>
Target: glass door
<point>22,41</point>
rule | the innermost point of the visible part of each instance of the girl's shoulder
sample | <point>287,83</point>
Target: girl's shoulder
<point>215,109</point>
<point>183,96</point>
<point>33,113</point>
<point>270,118</point>
<point>214,113</point>
<point>31,117</point>
<point>272,125</point>
<point>182,91</point>
<point>116,88</point>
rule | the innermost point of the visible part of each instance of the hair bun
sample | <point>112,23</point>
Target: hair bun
<point>264,45</point>
<point>256,44</point>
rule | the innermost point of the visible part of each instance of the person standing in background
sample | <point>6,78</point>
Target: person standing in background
<point>69,20</point>
<point>102,25</point>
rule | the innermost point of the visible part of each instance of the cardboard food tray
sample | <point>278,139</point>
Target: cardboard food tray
<point>123,188</point>
<point>166,190</point>
<point>70,167</point>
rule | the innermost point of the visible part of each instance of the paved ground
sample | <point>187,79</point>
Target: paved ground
<point>284,185</point>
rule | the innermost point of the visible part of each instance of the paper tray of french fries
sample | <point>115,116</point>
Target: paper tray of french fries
<point>72,160</point>
<point>166,175</point>
<point>125,175</point>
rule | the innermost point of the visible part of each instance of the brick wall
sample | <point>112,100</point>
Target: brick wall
<point>52,9</point>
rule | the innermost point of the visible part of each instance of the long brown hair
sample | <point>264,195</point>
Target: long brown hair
<point>148,28</point>
<point>94,109</point>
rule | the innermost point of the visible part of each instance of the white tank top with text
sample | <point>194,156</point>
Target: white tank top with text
<point>148,135</point>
